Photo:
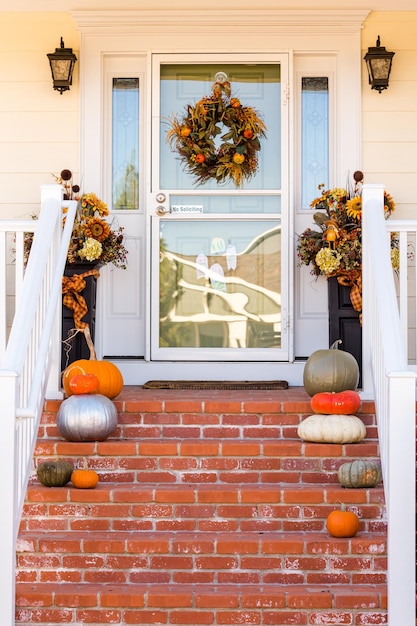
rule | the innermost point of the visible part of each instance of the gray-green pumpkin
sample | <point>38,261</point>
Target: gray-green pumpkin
<point>54,473</point>
<point>359,473</point>
<point>330,370</point>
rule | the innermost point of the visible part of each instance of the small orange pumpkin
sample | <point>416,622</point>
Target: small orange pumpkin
<point>342,523</point>
<point>84,478</point>
<point>84,383</point>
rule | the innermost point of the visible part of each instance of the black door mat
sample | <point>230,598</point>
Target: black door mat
<point>216,384</point>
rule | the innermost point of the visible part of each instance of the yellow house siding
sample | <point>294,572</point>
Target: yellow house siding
<point>389,119</point>
<point>39,128</point>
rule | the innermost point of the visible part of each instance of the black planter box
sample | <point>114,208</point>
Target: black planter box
<point>344,321</point>
<point>79,348</point>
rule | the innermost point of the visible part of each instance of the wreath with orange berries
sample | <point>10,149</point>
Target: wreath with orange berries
<point>193,136</point>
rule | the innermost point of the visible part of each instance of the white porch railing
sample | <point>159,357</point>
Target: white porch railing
<point>389,380</point>
<point>31,358</point>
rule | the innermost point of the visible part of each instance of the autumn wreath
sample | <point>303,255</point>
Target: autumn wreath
<point>193,136</point>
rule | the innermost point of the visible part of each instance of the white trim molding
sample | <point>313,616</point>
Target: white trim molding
<point>227,21</point>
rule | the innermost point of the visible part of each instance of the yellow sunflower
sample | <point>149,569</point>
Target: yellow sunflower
<point>90,203</point>
<point>354,207</point>
<point>97,228</point>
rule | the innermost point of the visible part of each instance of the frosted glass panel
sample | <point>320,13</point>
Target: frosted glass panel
<point>314,137</point>
<point>256,85</point>
<point>125,143</point>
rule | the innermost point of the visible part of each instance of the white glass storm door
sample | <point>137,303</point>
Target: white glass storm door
<point>219,271</point>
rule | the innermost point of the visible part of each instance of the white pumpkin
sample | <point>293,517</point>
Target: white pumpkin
<point>332,429</point>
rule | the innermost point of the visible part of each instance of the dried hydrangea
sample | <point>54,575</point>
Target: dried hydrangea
<point>328,260</point>
<point>91,250</point>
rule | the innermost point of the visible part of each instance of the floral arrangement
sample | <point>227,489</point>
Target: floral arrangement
<point>193,136</point>
<point>335,247</point>
<point>92,237</point>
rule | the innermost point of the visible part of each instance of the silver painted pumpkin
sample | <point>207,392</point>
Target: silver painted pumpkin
<point>87,417</point>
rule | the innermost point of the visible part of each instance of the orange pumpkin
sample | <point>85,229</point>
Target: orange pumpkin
<point>109,376</point>
<point>84,383</point>
<point>84,478</point>
<point>332,403</point>
<point>342,523</point>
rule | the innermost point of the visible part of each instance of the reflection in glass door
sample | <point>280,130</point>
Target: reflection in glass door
<point>220,284</point>
<point>220,292</point>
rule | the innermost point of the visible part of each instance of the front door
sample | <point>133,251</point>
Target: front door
<point>220,287</point>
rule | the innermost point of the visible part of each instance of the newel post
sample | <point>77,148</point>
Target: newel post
<point>8,518</point>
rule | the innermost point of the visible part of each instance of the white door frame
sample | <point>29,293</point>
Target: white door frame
<point>218,355</point>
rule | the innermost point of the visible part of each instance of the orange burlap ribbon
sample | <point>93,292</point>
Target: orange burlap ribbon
<point>353,280</point>
<point>71,287</point>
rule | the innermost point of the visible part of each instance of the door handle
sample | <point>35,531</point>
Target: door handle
<point>162,210</point>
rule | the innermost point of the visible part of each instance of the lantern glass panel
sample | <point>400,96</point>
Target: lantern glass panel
<point>61,69</point>
<point>380,68</point>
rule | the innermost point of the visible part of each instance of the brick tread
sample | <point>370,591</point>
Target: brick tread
<point>285,543</point>
<point>238,492</point>
<point>209,461</point>
<point>201,604</point>
<point>208,557</point>
<point>215,507</point>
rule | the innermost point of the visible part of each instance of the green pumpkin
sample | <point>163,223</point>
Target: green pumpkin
<point>359,473</point>
<point>330,370</point>
<point>54,473</point>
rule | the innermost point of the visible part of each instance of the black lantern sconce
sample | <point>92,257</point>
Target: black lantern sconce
<point>62,63</point>
<point>379,62</point>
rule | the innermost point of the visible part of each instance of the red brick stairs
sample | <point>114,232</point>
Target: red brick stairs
<point>209,510</point>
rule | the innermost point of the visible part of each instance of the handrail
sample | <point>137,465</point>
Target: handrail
<point>27,362</point>
<point>386,370</point>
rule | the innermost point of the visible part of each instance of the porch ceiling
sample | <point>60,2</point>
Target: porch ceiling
<point>107,5</point>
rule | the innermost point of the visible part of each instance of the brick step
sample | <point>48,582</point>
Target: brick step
<point>145,414</point>
<point>201,557</point>
<point>209,510</point>
<point>204,507</point>
<point>199,604</point>
<point>209,461</point>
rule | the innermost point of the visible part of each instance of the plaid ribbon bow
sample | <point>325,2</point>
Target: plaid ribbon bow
<point>353,280</point>
<point>71,287</point>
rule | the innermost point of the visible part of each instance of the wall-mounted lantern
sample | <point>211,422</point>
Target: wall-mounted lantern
<point>62,63</point>
<point>378,61</point>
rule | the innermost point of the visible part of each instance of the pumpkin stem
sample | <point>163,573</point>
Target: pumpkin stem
<point>87,335</point>
<point>336,344</point>
<point>85,464</point>
<point>342,505</point>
